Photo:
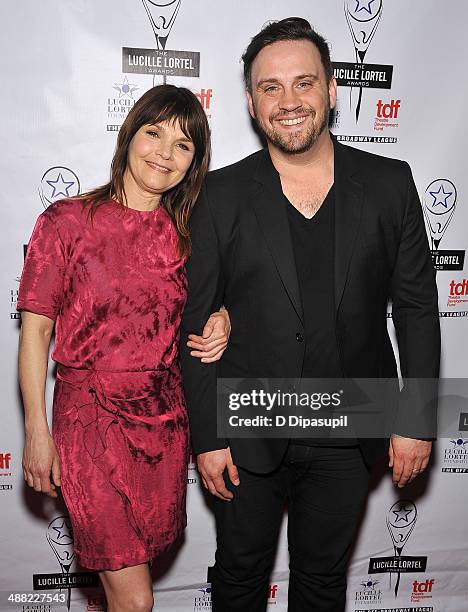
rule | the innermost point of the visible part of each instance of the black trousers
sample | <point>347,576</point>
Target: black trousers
<point>324,489</point>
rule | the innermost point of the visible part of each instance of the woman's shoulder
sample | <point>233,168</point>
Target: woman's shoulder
<point>71,213</point>
<point>76,215</point>
<point>68,208</point>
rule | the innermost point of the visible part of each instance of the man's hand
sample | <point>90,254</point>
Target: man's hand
<point>408,458</point>
<point>211,466</point>
<point>212,343</point>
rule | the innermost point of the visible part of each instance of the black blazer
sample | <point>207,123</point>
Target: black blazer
<point>243,258</point>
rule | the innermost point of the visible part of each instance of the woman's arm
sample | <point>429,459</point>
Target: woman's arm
<point>40,457</point>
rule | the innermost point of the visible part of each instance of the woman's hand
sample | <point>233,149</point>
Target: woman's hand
<point>212,343</point>
<point>41,464</point>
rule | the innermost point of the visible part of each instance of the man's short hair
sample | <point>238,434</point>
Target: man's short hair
<point>292,28</point>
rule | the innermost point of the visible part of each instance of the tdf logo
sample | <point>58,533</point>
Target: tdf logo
<point>388,111</point>
<point>423,587</point>
<point>5,459</point>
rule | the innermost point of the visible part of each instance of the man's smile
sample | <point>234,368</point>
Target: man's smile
<point>295,121</point>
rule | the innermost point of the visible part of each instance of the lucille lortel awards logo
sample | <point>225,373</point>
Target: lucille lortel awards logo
<point>161,61</point>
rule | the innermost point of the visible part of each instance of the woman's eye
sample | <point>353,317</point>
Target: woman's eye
<point>184,147</point>
<point>152,133</point>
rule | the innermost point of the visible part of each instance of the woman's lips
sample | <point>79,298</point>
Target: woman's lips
<point>158,167</point>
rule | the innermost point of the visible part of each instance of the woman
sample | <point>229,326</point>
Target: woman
<point>107,269</point>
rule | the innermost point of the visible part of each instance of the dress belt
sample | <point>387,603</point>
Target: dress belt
<point>97,415</point>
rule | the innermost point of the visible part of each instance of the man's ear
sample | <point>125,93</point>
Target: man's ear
<point>250,103</point>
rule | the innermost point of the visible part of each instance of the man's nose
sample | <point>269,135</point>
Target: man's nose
<point>290,100</point>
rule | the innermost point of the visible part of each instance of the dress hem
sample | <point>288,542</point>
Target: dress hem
<point>107,564</point>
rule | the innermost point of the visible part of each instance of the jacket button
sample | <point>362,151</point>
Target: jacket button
<point>299,337</point>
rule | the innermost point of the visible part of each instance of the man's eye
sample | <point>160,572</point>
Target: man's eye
<point>271,89</point>
<point>305,84</point>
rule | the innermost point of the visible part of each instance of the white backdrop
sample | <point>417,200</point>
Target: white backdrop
<point>64,96</point>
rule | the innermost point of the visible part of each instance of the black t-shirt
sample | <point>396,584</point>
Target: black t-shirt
<point>313,245</point>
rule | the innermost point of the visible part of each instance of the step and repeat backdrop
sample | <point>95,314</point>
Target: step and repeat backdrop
<point>71,71</point>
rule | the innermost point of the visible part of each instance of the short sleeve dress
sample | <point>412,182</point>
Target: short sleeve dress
<point>115,287</point>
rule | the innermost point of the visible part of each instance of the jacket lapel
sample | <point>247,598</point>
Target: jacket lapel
<point>349,195</point>
<point>270,209</point>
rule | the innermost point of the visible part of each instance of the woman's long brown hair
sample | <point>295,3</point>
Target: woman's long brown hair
<point>162,103</point>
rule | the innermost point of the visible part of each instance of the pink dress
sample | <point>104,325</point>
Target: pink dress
<point>116,288</point>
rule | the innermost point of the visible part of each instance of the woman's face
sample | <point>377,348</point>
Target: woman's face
<point>159,156</point>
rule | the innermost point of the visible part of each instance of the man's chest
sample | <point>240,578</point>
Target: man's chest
<point>307,196</point>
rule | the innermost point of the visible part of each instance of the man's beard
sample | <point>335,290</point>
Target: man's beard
<point>296,142</point>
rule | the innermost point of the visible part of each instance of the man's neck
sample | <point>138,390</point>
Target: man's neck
<point>317,160</point>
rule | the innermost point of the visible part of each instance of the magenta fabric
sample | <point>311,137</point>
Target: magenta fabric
<point>116,288</point>
<point>123,444</point>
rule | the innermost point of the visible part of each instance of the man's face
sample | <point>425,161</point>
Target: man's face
<point>290,98</point>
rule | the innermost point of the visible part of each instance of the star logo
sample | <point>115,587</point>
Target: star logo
<point>61,530</point>
<point>440,197</point>
<point>56,183</point>
<point>125,88</point>
<point>402,513</point>
<point>459,442</point>
<point>366,8</point>
<point>369,584</point>
<point>206,593</point>
<point>60,186</point>
<point>439,203</point>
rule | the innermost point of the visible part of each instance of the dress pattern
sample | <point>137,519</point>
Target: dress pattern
<point>115,287</point>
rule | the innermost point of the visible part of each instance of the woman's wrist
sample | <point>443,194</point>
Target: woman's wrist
<point>36,426</point>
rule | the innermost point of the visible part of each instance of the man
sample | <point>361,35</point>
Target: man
<point>304,243</point>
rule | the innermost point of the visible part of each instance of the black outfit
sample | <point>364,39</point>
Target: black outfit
<point>313,245</point>
<point>243,257</point>
<point>324,489</point>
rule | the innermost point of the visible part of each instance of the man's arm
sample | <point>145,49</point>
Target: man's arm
<point>416,320</point>
<point>205,295</point>
<point>414,295</point>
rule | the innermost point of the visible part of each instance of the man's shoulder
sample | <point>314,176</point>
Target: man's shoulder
<point>236,174</point>
<point>367,162</point>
